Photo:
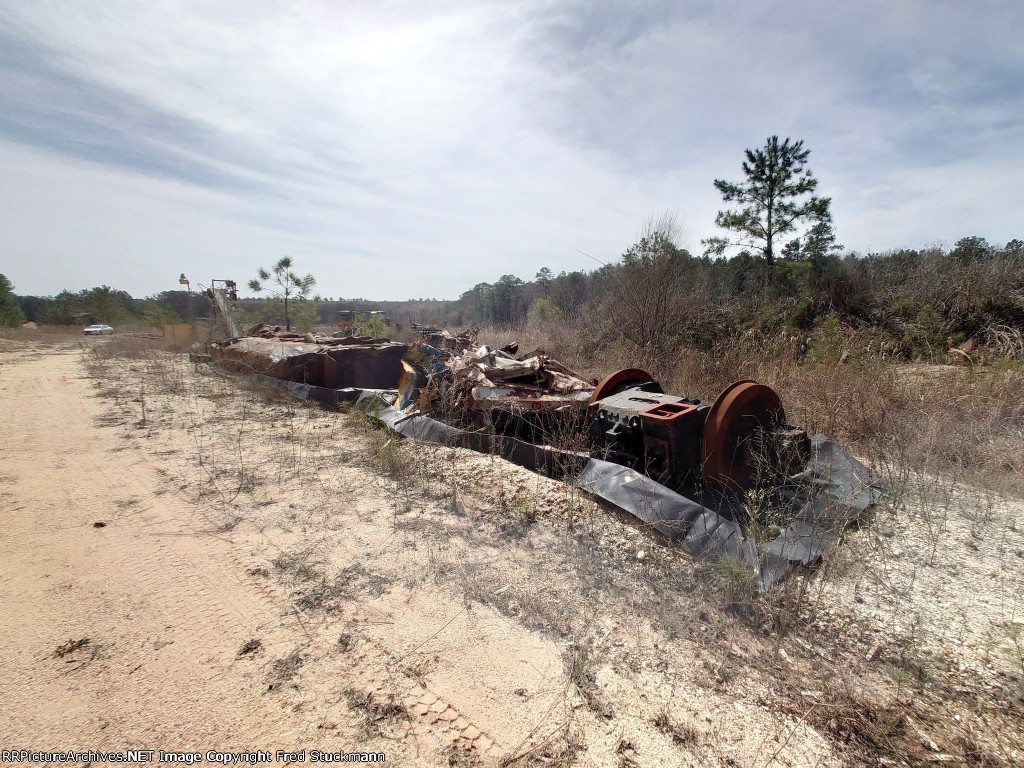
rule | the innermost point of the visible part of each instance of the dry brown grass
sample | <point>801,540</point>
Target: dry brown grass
<point>42,333</point>
<point>124,346</point>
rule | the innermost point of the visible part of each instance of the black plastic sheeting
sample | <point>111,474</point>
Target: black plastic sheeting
<point>818,503</point>
<point>831,492</point>
<point>540,458</point>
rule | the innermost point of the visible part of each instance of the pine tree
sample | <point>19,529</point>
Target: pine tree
<point>544,277</point>
<point>10,310</point>
<point>776,197</point>
<point>289,284</point>
<point>819,243</point>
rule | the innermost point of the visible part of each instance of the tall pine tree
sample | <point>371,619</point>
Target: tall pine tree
<point>10,309</point>
<point>776,197</point>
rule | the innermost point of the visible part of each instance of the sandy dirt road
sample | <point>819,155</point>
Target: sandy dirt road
<point>100,541</point>
<point>164,610</point>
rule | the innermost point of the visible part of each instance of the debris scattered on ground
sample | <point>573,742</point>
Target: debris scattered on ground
<point>250,647</point>
<point>482,385</point>
<point>683,467</point>
<point>497,379</point>
<point>446,341</point>
<point>70,647</point>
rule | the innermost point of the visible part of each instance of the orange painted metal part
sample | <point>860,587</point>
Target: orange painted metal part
<point>667,412</point>
<point>616,382</point>
<point>742,408</point>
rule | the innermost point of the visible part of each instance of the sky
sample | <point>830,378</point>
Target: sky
<point>413,149</point>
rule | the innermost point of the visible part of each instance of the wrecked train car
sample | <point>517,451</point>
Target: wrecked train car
<point>320,361</point>
<point>740,441</point>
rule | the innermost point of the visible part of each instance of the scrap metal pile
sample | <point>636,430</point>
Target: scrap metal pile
<point>445,340</point>
<point>486,388</point>
<point>682,466</point>
<point>740,441</point>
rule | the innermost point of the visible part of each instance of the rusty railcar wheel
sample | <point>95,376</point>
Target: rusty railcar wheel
<point>727,457</point>
<point>618,381</point>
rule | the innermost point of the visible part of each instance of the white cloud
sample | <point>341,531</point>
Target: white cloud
<point>414,149</point>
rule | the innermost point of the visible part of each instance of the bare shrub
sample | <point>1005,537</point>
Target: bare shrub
<point>390,458</point>
<point>379,713</point>
<point>579,668</point>
<point>682,734</point>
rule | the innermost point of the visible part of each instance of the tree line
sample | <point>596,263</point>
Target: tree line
<point>659,294</point>
<point>113,306</point>
<point>101,304</point>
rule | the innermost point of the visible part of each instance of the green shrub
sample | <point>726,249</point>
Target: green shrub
<point>545,311</point>
<point>10,310</point>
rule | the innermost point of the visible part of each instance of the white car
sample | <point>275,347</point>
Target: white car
<point>96,330</point>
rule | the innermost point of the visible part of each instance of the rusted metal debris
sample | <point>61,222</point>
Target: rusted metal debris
<point>446,341</point>
<point>264,331</point>
<point>321,361</point>
<point>739,442</point>
<point>486,388</point>
<point>497,379</point>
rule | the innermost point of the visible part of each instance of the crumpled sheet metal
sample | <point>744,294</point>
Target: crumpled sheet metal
<point>485,379</point>
<point>496,379</point>
<point>832,491</point>
<point>264,331</point>
<point>449,342</point>
<point>423,366</point>
<point>525,397</point>
<point>292,361</point>
<point>485,364</point>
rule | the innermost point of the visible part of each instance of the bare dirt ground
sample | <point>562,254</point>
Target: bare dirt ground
<point>271,575</point>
